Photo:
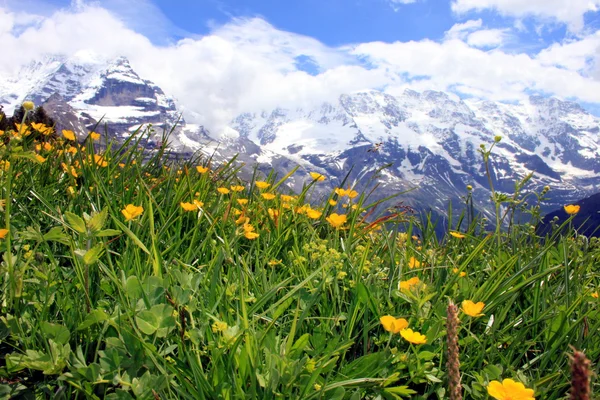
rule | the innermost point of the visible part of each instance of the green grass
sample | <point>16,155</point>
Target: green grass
<point>180,304</point>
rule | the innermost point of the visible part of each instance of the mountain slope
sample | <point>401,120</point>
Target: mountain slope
<point>428,141</point>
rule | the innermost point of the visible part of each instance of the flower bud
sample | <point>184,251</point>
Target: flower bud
<point>28,105</point>
<point>469,188</point>
<point>497,138</point>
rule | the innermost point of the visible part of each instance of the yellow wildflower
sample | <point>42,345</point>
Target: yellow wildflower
<point>317,177</point>
<point>70,135</point>
<point>336,220</point>
<point>268,196</point>
<point>251,235</point>
<point>313,214</point>
<point>262,184</point>
<point>509,390</point>
<point>28,105</point>
<point>457,235</point>
<point>572,209</point>
<point>237,188</point>
<point>406,285</point>
<point>94,136</point>
<point>595,295</point>
<point>188,206</point>
<point>201,169</point>
<point>287,198</point>
<point>413,263</point>
<point>132,211</point>
<point>332,202</point>
<point>274,214</point>
<point>340,192</point>
<point>413,337</point>
<point>219,326</point>
<point>40,158</point>
<point>223,190</point>
<point>472,309</point>
<point>242,202</point>
<point>392,324</point>
<point>3,233</point>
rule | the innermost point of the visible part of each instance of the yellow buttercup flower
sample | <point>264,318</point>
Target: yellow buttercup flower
<point>572,209</point>
<point>262,184</point>
<point>274,214</point>
<point>237,188</point>
<point>70,135</point>
<point>287,198</point>
<point>223,190</point>
<point>406,285</point>
<point>251,235</point>
<point>457,235</point>
<point>472,309</point>
<point>461,273</point>
<point>352,193</point>
<point>340,192</point>
<point>336,220</point>
<point>95,136</point>
<point>3,233</point>
<point>313,214</point>
<point>413,263</point>
<point>242,202</point>
<point>392,324</point>
<point>509,390</point>
<point>317,177</point>
<point>332,202</point>
<point>40,158</point>
<point>131,212</point>
<point>201,169</point>
<point>41,128</point>
<point>268,196</point>
<point>413,337</point>
<point>595,295</point>
<point>191,206</point>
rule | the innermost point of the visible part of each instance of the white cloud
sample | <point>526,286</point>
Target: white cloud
<point>248,65</point>
<point>569,12</point>
<point>461,30</point>
<point>489,74</point>
<point>487,38</point>
<point>575,55</point>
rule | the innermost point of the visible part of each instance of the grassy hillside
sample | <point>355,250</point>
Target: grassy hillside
<point>126,277</point>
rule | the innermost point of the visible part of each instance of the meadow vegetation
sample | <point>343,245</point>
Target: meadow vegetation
<point>127,276</point>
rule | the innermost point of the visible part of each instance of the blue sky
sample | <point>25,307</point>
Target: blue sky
<point>228,56</point>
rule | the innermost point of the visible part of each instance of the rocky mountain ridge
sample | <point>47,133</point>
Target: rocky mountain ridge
<point>425,141</point>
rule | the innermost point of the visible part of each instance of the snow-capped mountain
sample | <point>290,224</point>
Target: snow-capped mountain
<point>96,88</point>
<point>429,141</point>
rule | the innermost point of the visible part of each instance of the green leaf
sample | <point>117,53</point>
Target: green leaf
<point>132,236</point>
<point>108,232</point>
<point>56,234</point>
<point>338,394</point>
<point>76,222</point>
<point>158,319</point>
<point>401,391</point>
<point>98,220</point>
<point>133,288</point>
<point>94,317</point>
<point>92,255</point>
<point>60,334</point>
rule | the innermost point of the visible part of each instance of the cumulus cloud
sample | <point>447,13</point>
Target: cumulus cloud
<point>249,65</point>
<point>487,38</point>
<point>569,12</point>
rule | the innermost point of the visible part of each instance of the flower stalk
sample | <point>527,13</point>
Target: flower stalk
<point>453,363</point>
<point>580,377</point>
